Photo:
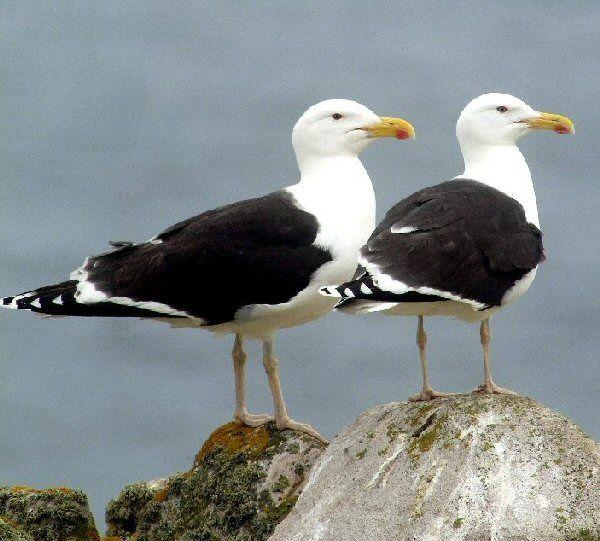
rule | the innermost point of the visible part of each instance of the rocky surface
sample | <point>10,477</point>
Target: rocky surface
<point>243,482</point>
<point>471,467</point>
<point>53,514</point>
<point>11,531</point>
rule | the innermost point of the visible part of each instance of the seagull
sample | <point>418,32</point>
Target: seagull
<point>464,248</point>
<point>252,267</point>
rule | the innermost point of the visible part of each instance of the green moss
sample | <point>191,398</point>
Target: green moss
<point>278,512</point>
<point>10,531</point>
<point>293,448</point>
<point>458,523</point>
<point>584,535</point>
<point>122,514</point>
<point>281,484</point>
<point>383,451</point>
<point>424,438</point>
<point>54,514</point>
<point>299,469</point>
<point>370,434</point>
<point>218,500</point>
<point>361,454</point>
<point>392,432</point>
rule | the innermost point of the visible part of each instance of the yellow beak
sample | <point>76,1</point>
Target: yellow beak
<point>390,127</point>
<point>550,121</point>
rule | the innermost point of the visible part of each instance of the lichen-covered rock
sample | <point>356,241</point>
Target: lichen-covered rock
<point>243,482</point>
<point>11,531</point>
<point>471,467</point>
<point>52,514</point>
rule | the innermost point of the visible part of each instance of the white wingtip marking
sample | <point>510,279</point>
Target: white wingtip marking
<point>349,293</point>
<point>365,289</point>
<point>13,304</point>
<point>329,292</point>
<point>57,300</point>
<point>36,303</point>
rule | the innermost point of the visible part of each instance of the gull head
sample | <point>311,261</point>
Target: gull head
<point>501,119</point>
<point>339,127</point>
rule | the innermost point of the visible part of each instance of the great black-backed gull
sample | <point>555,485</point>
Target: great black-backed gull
<point>252,267</point>
<point>464,248</point>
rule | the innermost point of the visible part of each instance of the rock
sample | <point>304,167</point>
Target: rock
<point>11,531</point>
<point>52,514</point>
<point>471,467</point>
<point>243,482</point>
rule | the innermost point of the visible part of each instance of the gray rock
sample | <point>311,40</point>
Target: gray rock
<point>471,467</point>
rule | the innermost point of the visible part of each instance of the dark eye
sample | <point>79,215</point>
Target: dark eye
<point>336,116</point>
<point>502,109</point>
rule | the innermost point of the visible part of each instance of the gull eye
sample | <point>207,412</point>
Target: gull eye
<point>336,116</point>
<point>502,109</point>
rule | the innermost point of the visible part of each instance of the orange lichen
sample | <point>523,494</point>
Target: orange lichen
<point>9,521</point>
<point>234,438</point>
<point>32,490</point>
<point>92,535</point>
<point>23,488</point>
<point>162,494</point>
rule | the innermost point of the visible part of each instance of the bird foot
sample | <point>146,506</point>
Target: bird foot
<point>427,393</point>
<point>489,387</point>
<point>252,419</point>
<point>287,423</point>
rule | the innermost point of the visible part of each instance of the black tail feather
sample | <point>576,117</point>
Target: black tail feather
<point>60,300</point>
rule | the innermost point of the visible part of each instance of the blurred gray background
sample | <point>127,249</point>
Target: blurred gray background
<point>120,118</point>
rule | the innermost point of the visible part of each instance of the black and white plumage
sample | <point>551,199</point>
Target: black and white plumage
<point>208,267</point>
<point>464,248</point>
<point>249,268</point>
<point>458,240</point>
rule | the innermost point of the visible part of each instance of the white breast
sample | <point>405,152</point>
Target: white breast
<point>520,287</point>
<point>341,198</point>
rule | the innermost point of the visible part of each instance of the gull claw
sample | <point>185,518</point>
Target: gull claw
<point>427,393</point>
<point>489,387</point>
<point>253,419</point>
<point>287,423</point>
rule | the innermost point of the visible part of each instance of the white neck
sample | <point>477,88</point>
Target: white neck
<point>502,167</point>
<point>339,192</point>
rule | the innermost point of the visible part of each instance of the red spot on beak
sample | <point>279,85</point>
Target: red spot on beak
<point>401,134</point>
<point>561,130</point>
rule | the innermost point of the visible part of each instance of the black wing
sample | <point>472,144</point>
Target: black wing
<point>258,251</point>
<point>460,238</point>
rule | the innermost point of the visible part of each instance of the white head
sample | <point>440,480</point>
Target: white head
<point>488,129</point>
<point>501,119</point>
<point>335,128</point>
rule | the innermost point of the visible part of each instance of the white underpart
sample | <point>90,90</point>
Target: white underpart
<point>520,287</point>
<point>403,230</point>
